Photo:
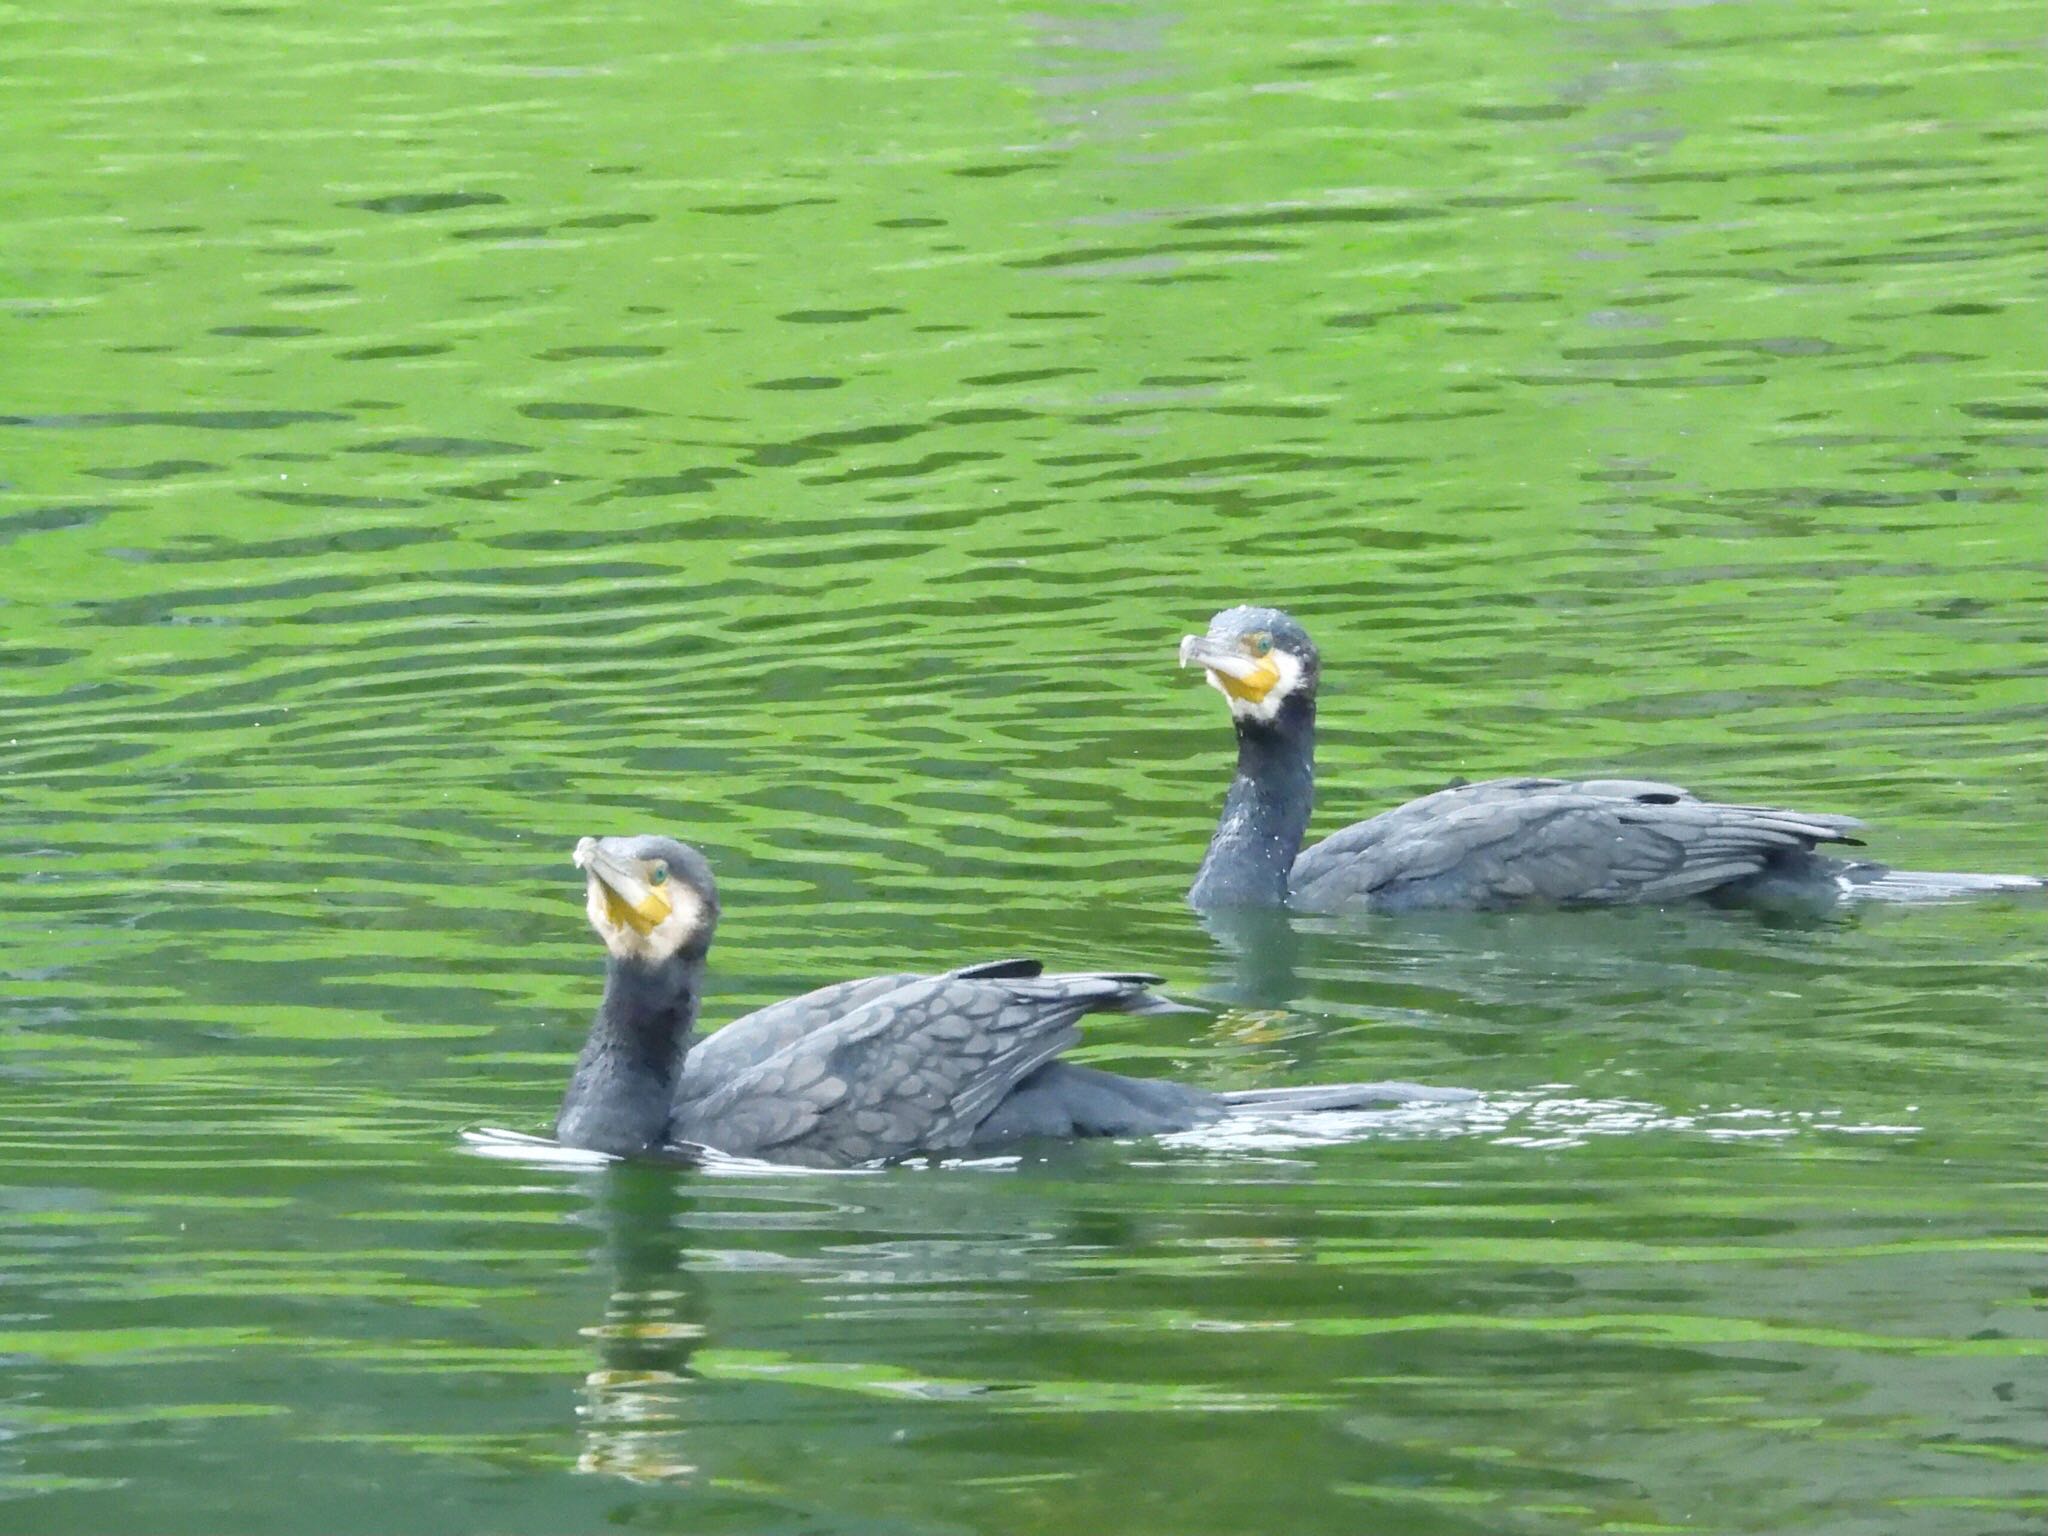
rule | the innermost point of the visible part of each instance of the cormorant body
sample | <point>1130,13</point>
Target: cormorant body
<point>861,1071</point>
<point>1501,843</point>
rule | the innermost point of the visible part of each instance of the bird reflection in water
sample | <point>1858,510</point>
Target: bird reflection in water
<point>635,1411</point>
<point>1259,957</point>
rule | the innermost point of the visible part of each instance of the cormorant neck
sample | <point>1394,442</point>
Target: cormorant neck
<point>618,1101</point>
<point>1265,813</point>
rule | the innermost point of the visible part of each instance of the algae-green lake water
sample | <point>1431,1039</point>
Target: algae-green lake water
<point>430,433</point>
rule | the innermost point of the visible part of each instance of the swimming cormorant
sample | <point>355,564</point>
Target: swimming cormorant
<point>1502,843</point>
<point>861,1071</point>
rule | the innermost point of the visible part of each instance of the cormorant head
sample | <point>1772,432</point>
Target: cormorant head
<point>1257,658</point>
<point>650,898</point>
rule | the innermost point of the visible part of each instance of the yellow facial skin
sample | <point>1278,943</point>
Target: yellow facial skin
<point>1252,686</point>
<point>644,916</point>
<point>630,893</point>
<point>1243,670</point>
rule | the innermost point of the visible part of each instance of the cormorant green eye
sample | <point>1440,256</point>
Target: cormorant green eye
<point>658,875</point>
<point>1261,644</point>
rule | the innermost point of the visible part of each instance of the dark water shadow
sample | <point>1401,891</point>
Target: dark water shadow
<point>1273,958</point>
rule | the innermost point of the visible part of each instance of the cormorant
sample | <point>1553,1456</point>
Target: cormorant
<point>861,1071</point>
<point>1502,843</point>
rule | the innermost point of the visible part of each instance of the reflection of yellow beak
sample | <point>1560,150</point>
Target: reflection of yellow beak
<point>629,901</point>
<point>1242,677</point>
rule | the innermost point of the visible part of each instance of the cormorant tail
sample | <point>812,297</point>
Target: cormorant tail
<point>1020,968</point>
<point>1095,991</point>
<point>1151,1002</point>
<point>1874,882</point>
<point>1328,1096</point>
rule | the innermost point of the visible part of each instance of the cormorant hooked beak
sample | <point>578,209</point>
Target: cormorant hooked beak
<point>630,900</point>
<point>1231,668</point>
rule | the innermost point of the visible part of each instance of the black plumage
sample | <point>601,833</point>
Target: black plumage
<point>1501,843</point>
<point>861,1071</point>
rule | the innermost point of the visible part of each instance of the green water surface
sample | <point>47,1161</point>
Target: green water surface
<point>433,432</point>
